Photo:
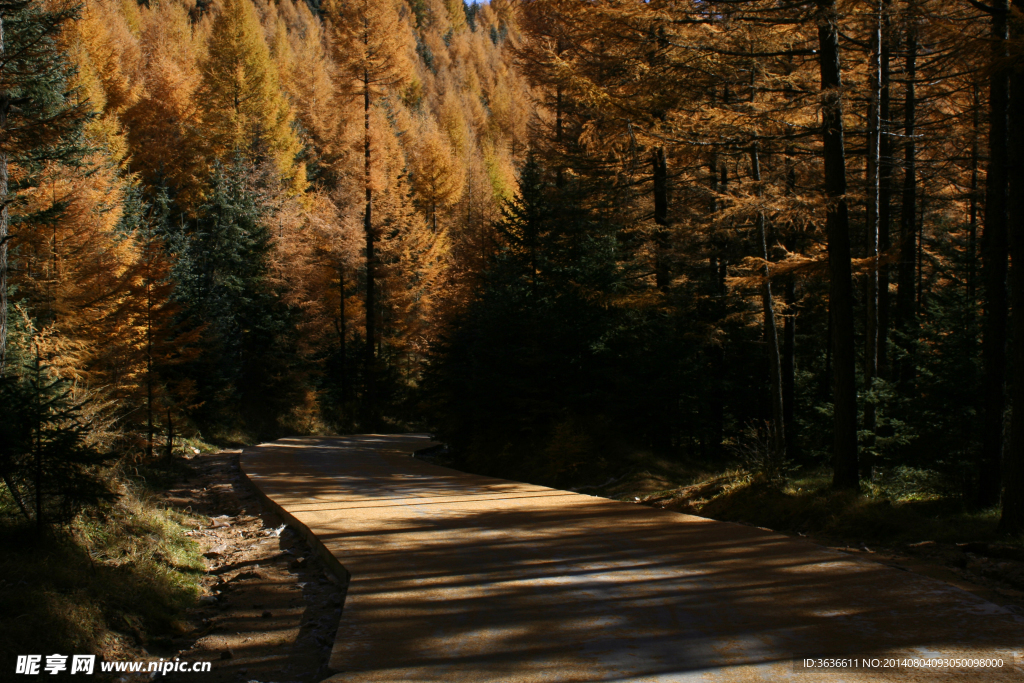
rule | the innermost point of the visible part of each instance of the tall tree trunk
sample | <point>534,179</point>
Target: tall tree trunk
<point>871,232</point>
<point>38,409</point>
<point>560,173</point>
<point>789,369</point>
<point>778,434</point>
<point>837,226</point>
<point>4,218</point>
<point>717,352</point>
<point>342,335</point>
<point>789,340</point>
<point>369,397</point>
<point>4,239</point>
<point>149,351</point>
<point>170,434</point>
<point>905,298</point>
<point>884,190</point>
<point>1012,520</point>
<point>972,234</point>
<point>661,269</point>
<point>994,246</point>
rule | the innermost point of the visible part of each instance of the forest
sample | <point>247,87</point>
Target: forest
<point>550,232</point>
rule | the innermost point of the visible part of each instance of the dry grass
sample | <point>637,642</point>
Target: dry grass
<point>111,582</point>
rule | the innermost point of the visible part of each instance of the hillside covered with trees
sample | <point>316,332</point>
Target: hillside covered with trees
<point>549,231</point>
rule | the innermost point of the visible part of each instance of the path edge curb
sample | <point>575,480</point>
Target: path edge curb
<point>336,570</point>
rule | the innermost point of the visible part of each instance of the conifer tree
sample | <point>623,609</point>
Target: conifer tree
<point>371,45</point>
<point>845,464</point>
<point>39,115</point>
<point>149,324</point>
<point>49,469</point>
<point>245,110</point>
<point>438,175</point>
<point>165,128</point>
<point>222,270</point>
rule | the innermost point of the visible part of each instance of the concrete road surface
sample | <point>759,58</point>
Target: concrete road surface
<point>456,577</point>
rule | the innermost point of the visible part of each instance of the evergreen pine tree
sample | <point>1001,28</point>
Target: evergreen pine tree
<point>222,273</point>
<point>40,116</point>
<point>46,463</point>
<point>542,328</point>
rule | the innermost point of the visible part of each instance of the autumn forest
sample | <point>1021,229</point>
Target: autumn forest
<point>550,232</point>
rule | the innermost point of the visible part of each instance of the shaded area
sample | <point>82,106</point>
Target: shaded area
<point>466,578</point>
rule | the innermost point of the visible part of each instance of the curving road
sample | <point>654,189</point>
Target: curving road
<point>461,578</point>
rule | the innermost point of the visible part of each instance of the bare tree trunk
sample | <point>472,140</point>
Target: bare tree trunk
<point>560,174</point>
<point>994,247</point>
<point>717,353</point>
<point>38,429</point>
<point>905,308</point>
<point>837,226</point>
<point>871,281</point>
<point>149,351</point>
<point>369,408</point>
<point>342,335</point>
<point>972,235</point>
<point>661,269</point>
<point>789,340</point>
<point>1012,520</point>
<point>4,239</point>
<point>778,434</point>
<point>170,434</point>
<point>884,190</point>
<point>4,219</point>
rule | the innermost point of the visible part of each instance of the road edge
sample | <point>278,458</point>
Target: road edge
<point>337,571</point>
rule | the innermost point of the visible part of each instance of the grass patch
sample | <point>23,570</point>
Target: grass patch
<point>904,505</point>
<point>112,581</point>
<point>890,511</point>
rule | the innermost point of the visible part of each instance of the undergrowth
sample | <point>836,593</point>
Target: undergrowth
<point>901,505</point>
<point>114,580</point>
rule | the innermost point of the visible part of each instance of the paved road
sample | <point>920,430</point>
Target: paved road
<point>460,578</point>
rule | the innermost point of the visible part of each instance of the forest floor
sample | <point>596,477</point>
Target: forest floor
<point>900,524</point>
<point>184,565</point>
<point>269,611</point>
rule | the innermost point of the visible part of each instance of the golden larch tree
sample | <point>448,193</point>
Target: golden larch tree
<point>372,45</point>
<point>245,110</point>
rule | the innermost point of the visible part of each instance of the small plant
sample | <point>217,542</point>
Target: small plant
<point>755,450</point>
<point>49,470</point>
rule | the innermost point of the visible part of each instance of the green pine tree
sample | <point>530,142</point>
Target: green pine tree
<point>41,114</point>
<point>46,463</point>
<point>250,370</point>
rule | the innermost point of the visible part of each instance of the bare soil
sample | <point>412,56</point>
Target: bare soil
<point>270,610</point>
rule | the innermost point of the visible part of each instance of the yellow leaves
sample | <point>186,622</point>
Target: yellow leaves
<point>456,15</point>
<point>164,127</point>
<point>114,53</point>
<point>452,119</point>
<point>500,171</point>
<point>438,175</point>
<point>372,44</point>
<point>72,269</point>
<point>245,110</point>
<point>308,76</point>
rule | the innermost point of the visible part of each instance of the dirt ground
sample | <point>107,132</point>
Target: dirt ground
<point>269,611</point>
